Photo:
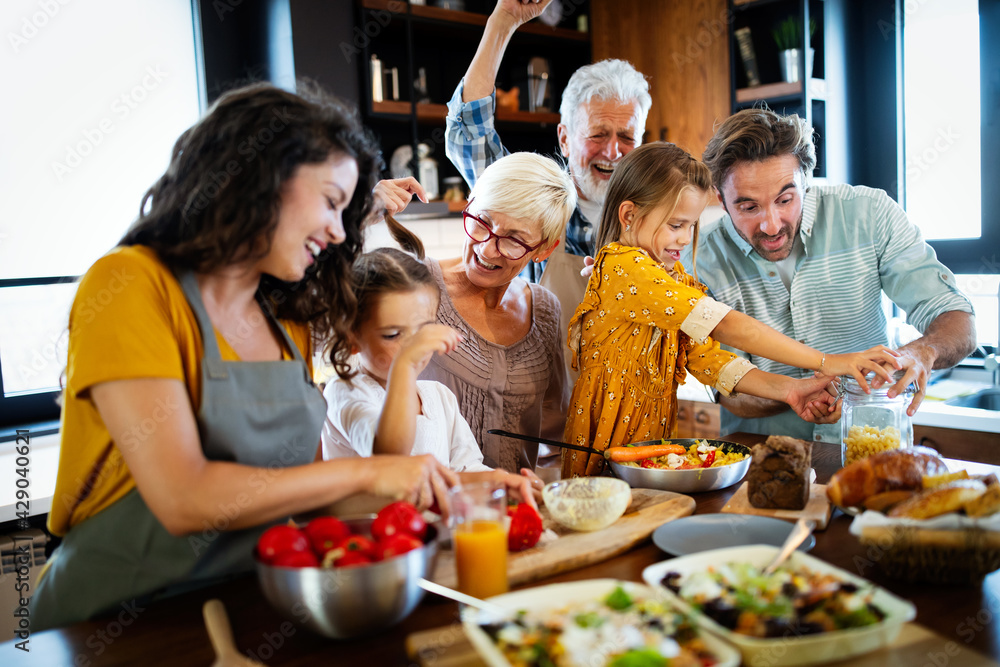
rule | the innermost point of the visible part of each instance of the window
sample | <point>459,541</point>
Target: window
<point>103,89</point>
<point>941,100</point>
<point>949,133</point>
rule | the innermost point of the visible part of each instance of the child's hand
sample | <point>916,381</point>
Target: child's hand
<point>588,267</point>
<point>429,340</point>
<point>525,488</point>
<point>814,399</point>
<point>857,364</point>
<point>394,195</point>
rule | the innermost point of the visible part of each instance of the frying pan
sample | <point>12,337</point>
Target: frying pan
<point>679,481</point>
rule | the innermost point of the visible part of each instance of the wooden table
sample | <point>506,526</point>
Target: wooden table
<point>172,631</point>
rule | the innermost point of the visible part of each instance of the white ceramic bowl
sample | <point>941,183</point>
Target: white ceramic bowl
<point>786,651</point>
<point>555,596</point>
<point>587,503</point>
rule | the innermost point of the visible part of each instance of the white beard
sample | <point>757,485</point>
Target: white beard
<point>591,187</point>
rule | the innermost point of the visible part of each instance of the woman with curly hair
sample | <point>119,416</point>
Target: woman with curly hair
<point>190,422</point>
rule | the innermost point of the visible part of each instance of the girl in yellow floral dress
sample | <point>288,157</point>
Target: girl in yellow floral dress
<point>644,323</point>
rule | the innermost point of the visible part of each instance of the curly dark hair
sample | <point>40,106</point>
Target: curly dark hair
<point>217,203</point>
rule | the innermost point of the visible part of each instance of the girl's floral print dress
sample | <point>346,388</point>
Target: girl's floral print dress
<point>638,332</point>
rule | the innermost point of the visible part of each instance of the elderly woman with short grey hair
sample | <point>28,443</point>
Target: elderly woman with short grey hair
<point>509,371</point>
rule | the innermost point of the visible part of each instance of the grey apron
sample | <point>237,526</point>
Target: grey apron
<point>263,414</point>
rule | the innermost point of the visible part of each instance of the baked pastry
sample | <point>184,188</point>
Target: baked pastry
<point>880,502</point>
<point>778,477</point>
<point>896,470</point>
<point>939,500</point>
<point>986,504</point>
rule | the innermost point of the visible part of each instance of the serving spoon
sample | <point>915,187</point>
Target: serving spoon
<point>800,531</point>
<point>482,605</point>
<point>221,634</point>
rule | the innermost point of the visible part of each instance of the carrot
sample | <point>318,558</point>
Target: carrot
<point>623,454</point>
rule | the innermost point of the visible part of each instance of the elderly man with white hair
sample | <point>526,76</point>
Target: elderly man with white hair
<point>603,113</point>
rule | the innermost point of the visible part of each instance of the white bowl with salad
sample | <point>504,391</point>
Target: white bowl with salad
<point>592,623</point>
<point>807,612</point>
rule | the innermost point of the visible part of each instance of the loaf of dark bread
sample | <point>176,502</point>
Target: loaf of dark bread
<point>779,473</point>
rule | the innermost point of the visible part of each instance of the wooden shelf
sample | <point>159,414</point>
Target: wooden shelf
<point>428,113</point>
<point>768,91</point>
<point>469,18</point>
<point>817,91</point>
<point>425,112</point>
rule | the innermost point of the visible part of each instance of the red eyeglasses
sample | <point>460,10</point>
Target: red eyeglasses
<point>480,232</point>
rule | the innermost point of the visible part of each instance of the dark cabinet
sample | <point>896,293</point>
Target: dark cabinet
<point>440,43</point>
<point>759,31</point>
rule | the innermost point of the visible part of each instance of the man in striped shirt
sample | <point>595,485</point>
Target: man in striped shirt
<point>603,113</point>
<point>813,262</point>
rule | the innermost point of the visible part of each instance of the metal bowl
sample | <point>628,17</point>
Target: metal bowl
<point>688,481</point>
<point>350,601</point>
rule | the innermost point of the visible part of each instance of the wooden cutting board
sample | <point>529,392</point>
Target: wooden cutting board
<point>915,646</point>
<point>817,508</point>
<point>649,510</point>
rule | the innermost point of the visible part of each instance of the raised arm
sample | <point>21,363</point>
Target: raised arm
<point>471,140</point>
<point>186,491</point>
<point>507,16</point>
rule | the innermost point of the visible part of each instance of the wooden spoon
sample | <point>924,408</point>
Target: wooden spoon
<point>221,634</point>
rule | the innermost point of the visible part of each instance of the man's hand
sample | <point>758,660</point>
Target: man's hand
<point>916,361</point>
<point>394,195</point>
<point>948,339</point>
<point>518,12</point>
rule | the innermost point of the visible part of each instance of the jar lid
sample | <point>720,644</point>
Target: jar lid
<point>849,385</point>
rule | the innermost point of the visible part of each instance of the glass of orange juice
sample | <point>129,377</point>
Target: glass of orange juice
<point>478,513</point>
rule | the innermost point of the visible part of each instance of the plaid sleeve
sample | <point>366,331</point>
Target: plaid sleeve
<point>471,140</point>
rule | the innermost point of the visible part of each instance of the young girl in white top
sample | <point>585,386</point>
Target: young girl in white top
<point>384,409</point>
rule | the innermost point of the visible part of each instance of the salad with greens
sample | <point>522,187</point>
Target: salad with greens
<point>739,597</point>
<point>621,629</point>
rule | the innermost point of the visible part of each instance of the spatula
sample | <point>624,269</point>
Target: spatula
<point>221,634</point>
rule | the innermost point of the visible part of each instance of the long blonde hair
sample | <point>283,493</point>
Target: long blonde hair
<point>649,176</point>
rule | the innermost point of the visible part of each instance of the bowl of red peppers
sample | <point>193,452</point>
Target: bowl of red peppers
<point>682,465</point>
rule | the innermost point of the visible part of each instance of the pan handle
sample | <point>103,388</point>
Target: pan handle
<point>544,441</point>
<point>554,443</point>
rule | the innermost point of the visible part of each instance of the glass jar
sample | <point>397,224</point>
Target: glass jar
<point>872,423</point>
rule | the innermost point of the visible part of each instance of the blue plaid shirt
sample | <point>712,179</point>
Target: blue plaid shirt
<point>472,144</point>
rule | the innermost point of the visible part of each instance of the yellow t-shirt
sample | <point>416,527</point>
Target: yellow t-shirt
<point>130,319</point>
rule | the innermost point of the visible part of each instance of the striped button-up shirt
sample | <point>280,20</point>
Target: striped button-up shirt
<point>472,144</point>
<point>858,243</point>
